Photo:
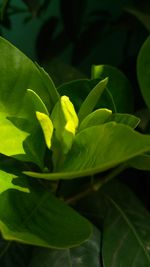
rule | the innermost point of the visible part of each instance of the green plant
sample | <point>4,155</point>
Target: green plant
<point>55,155</point>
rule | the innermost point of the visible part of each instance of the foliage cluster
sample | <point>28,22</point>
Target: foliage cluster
<point>63,143</point>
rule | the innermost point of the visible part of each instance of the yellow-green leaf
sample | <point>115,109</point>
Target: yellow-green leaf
<point>47,127</point>
<point>65,122</point>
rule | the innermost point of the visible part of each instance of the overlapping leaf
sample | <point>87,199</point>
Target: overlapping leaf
<point>126,232</point>
<point>18,73</point>
<point>85,255</point>
<point>99,148</point>
<point>118,85</point>
<point>78,90</point>
<point>38,218</point>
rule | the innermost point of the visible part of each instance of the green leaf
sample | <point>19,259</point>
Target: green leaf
<point>65,121</point>
<point>144,115</point>
<point>86,255</point>
<point>18,105</point>
<point>61,72</point>
<point>54,95</point>
<point>97,117</point>
<point>101,116</point>
<point>77,96</point>
<point>141,162</point>
<point>12,138</point>
<point>99,148</point>
<point>6,182</point>
<point>47,127</point>
<point>18,73</point>
<point>39,218</point>
<point>118,85</point>
<point>91,100</point>
<point>126,119</point>
<point>36,103</point>
<point>143,71</point>
<point>126,231</point>
<point>25,132</point>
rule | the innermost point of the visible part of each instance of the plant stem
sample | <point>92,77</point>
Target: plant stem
<point>97,185</point>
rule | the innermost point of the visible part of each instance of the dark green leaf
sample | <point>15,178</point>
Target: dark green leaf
<point>143,70</point>
<point>92,99</point>
<point>118,85</point>
<point>3,8</point>
<point>14,254</point>
<point>86,255</point>
<point>126,231</point>
<point>61,72</point>
<point>78,90</point>
<point>141,162</point>
<point>126,119</point>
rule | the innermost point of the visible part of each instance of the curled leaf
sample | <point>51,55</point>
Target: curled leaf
<point>47,127</point>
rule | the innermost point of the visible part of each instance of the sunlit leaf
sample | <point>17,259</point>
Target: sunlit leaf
<point>65,121</point>
<point>99,148</point>
<point>39,218</point>
<point>47,127</point>
<point>6,182</point>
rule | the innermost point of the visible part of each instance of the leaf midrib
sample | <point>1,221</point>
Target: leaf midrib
<point>129,225</point>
